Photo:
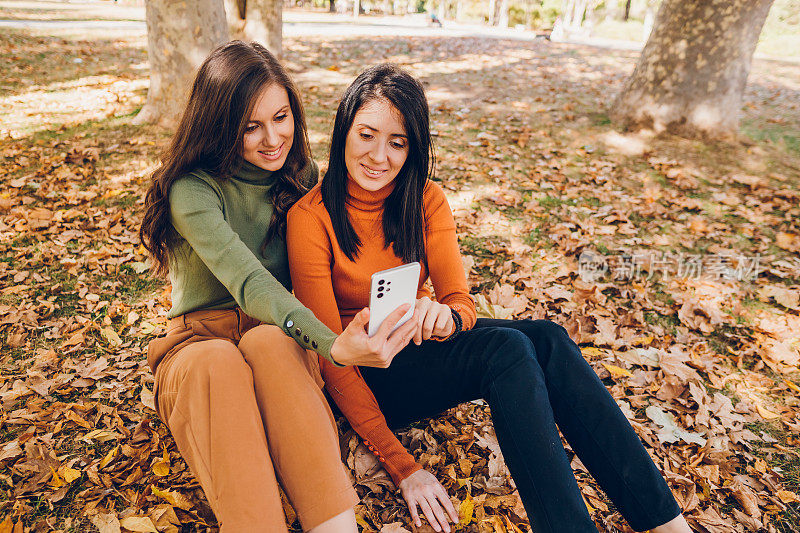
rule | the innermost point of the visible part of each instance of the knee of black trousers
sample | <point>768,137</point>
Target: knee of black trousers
<point>507,349</point>
<point>550,339</point>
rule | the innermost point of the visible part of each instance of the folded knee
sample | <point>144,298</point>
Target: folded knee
<point>218,359</point>
<point>509,347</point>
<point>267,343</point>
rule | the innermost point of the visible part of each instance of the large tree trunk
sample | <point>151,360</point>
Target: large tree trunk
<point>257,20</point>
<point>502,16</point>
<point>179,37</point>
<point>691,75</point>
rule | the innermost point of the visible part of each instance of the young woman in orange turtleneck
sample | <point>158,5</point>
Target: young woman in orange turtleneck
<point>376,208</point>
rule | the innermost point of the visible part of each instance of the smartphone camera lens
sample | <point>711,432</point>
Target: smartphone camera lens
<point>380,288</point>
<point>380,281</point>
<point>380,295</point>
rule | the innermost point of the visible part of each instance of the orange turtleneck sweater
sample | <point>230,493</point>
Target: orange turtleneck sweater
<point>335,289</point>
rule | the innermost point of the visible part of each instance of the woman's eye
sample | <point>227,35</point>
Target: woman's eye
<point>365,136</point>
<point>397,145</point>
<point>280,118</point>
<point>251,128</point>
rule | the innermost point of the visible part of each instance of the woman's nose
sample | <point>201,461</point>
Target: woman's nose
<point>271,137</point>
<point>378,153</point>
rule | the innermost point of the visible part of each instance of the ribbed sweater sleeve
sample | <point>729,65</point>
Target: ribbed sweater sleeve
<point>309,247</point>
<point>444,257</point>
<point>197,215</point>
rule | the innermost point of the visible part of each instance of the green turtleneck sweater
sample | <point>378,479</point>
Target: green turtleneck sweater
<point>218,264</point>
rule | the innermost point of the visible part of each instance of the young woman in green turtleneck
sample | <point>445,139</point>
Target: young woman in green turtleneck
<point>234,377</point>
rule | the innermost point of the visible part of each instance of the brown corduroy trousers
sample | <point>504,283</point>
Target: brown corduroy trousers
<point>244,404</point>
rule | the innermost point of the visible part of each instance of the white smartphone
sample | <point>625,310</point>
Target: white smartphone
<point>390,289</point>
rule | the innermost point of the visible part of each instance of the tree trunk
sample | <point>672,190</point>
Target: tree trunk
<point>502,18</point>
<point>356,8</point>
<point>691,75</point>
<point>179,37</point>
<point>627,10</point>
<point>257,20</point>
<point>331,6</point>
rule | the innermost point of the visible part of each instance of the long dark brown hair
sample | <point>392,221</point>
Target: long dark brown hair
<point>210,136</point>
<point>403,215</point>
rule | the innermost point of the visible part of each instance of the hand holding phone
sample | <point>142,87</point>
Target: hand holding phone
<point>389,290</point>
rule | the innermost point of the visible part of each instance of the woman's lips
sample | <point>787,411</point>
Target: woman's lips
<point>373,173</point>
<point>271,155</point>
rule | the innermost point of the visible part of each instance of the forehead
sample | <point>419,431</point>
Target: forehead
<point>269,101</point>
<point>381,115</point>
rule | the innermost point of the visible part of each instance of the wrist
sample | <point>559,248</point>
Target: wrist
<point>334,352</point>
<point>458,324</point>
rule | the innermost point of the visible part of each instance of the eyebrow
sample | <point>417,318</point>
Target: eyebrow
<point>283,109</point>
<point>404,136</point>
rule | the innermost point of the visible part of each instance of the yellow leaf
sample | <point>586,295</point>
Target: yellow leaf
<point>56,481</point>
<point>69,474</point>
<point>161,467</point>
<point>617,371</point>
<point>139,524</point>
<point>111,336</point>
<point>592,351</point>
<point>7,526</point>
<point>109,456</point>
<point>766,413</point>
<point>363,523</point>
<point>174,498</point>
<point>101,435</point>
<point>787,496</point>
<point>792,385</point>
<point>465,511</point>
<point>588,506</point>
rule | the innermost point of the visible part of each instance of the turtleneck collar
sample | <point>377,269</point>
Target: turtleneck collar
<point>364,200</point>
<point>250,173</point>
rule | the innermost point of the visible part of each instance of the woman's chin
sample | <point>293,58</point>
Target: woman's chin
<point>372,184</point>
<point>265,164</point>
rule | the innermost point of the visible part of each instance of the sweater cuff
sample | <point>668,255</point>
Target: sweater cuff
<point>396,460</point>
<point>310,333</point>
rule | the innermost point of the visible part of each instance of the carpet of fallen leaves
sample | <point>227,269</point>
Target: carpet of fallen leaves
<point>704,365</point>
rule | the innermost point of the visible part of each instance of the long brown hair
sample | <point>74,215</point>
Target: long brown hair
<point>210,136</point>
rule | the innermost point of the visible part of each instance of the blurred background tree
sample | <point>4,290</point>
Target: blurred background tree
<point>679,46</point>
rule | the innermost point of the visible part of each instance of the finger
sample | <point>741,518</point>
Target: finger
<point>441,517</point>
<point>448,505</point>
<point>442,327</point>
<point>388,325</point>
<point>429,323</point>
<point>410,325</point>
<point>412,508</point>
<point>429,514</point>
<point>402,336</point>
<point>424,306</point>
<point>361,319</point>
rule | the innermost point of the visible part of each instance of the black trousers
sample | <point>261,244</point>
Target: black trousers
<point>534,378</point>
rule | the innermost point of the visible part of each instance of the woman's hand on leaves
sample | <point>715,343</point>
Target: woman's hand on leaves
<point>423,489</point>
<point>355,347</point>
<point>435,320</point>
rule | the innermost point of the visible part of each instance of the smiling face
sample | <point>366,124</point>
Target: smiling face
<point>376,146</point>
<point>269,132</point>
